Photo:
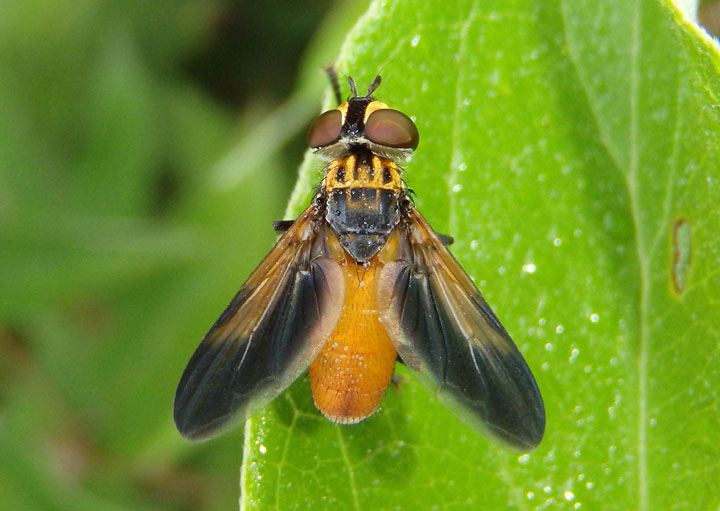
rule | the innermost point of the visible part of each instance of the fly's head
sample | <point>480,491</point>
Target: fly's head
<point>363,124</point>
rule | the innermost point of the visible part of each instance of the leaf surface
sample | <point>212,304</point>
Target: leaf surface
<point>571,149</point>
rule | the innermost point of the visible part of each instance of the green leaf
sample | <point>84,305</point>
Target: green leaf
<point>571,148</point>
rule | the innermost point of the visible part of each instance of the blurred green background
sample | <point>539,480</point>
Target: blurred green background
<point>145,149</point>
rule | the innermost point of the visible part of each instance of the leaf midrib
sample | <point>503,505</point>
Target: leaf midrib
<point>643,262</point>
<point>643,258</point>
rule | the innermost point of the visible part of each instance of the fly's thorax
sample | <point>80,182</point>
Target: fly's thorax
<point>363,170</point>
<point>363,193</point>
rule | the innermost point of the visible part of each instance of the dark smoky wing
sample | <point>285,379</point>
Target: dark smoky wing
<point>267,336</point>
<point>449,337</point>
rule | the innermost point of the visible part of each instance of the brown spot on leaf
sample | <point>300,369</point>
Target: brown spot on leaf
<point>682,251</point>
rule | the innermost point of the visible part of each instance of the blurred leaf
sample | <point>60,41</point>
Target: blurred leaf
<point>292,117</point>
<point>572,151</point>
<point>116,253</point>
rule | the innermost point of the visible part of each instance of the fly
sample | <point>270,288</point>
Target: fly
<point>356,282</point>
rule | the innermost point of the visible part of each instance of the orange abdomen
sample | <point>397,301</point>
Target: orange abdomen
<point>349,376</point>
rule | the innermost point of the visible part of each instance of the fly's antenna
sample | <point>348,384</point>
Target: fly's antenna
<point>353,88</point>
<point>332,76</point>
<point>331,72</point>
<point>374,85</point>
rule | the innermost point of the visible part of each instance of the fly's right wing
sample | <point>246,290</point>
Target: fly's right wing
<point>268,335</point>
<point>449,337</point>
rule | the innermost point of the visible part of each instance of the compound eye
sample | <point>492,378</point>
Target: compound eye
<point>325,130</point>
<point>391,128</point>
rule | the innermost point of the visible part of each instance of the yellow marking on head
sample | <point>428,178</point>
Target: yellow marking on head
<point>343,110</point>
<point>371,107</point>
<point>374,105</point>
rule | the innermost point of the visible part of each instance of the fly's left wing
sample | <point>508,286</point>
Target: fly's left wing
<point>449,337</point>
<point>268,335</point>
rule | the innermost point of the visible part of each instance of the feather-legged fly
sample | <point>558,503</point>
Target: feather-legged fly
<point>357,281</point>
